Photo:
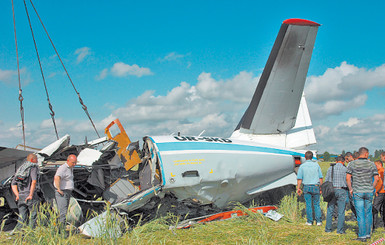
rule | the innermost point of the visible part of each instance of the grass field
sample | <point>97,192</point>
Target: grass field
<point>253,229</point>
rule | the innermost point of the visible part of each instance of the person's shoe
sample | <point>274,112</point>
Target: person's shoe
<point>13,232</point>
<point>319,223</point>
<point>361,239</point>
<point>308,223</point>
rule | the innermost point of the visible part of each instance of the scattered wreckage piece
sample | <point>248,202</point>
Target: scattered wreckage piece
<point>106,224</point>
<point>226,215</point>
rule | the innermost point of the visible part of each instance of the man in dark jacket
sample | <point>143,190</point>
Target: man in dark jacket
<point>24,187</point>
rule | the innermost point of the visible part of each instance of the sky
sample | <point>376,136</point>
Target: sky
<point>163,67</point>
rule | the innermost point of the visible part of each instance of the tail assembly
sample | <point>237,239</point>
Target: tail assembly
<point>278,113</point>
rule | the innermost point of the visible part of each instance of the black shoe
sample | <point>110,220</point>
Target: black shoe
<point>360,239</point>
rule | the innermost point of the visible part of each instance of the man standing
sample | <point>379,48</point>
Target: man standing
<point>362,171</point>
<point>379,196</point>
<point>23,186</point>
<point>349,200</point>
<point>64,185</point>
<point>310,175</point>
<point>348,158</point>
<point>340,192</point>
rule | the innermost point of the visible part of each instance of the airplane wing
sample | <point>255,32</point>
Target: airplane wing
<point>274,106</point>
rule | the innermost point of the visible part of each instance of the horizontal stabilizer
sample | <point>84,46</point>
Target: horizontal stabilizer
<point>274,106</point>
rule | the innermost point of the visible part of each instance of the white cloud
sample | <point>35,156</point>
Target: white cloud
<point>216,105</point>
<point>121,69</point>
<point>212,105</point>
<point>239,89</point>
<point>335,107</point>
<point>103,74</point>
<point>10,76</point>
<point>186,109</point>
<point>350,123</point>
<point>82,53</point>
<point>342,88</point>
<point>6,76</point>
<point>172,56</point>
<point>351,134</point>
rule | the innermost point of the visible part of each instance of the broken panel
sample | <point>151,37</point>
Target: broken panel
<point>129,160</point>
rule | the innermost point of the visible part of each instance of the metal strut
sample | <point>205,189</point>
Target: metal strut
<point>52,113</point>
<point>18,75</point>
<point>80,99</point>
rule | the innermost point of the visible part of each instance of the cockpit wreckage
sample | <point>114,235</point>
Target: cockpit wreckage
<point>192,175</point>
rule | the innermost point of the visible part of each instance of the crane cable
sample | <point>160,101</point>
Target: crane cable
<point>52,113</point>
<point>18,75</point>
<point>80,99</point>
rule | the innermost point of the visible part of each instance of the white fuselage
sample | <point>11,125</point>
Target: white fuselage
<point>219,170</point>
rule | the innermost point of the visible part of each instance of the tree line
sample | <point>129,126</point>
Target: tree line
<point>330,157</point>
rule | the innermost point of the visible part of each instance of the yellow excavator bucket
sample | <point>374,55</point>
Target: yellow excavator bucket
<point>123,141</point>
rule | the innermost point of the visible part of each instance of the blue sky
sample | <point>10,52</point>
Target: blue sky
<point>169,66</point>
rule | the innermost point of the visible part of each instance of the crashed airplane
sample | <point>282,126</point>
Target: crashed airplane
<point>201,172</point>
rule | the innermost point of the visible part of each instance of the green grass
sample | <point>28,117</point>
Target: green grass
<point>253,229</point>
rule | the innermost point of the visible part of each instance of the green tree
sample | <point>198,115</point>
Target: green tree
<point>326,156</point>
<point>377,154</point>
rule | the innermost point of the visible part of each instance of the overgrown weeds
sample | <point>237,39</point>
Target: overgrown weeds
<point>291,208</point>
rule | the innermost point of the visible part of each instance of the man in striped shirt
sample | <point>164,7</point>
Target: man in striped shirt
<point>359,178</point>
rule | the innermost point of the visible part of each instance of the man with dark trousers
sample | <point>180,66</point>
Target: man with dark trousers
<point>24,188</point>
<point>337,175</point>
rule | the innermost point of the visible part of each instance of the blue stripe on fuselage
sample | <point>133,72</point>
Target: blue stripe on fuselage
<point>181,146</point>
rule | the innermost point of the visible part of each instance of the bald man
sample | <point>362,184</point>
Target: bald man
<point>64,185</point>
<point>23,187</point>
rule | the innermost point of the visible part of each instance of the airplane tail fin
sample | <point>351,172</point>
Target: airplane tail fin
<point>302,134</point>
<point>274,107</point>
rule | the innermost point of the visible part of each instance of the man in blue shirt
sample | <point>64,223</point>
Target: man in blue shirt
<point>310,175</point>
